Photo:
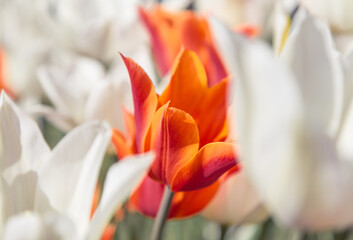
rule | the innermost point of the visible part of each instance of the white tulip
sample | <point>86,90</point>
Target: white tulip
<point>293,123</point>
<point>80,90</point>
<point>338,13</point>
<point>48,194</point>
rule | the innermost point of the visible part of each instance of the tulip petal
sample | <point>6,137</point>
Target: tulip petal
<point>294,166</point>
<point>188,91</point>
<point>121,145</point>
<point>121,179</point>
<point>67,88</point>
<point>171,32</point>
<point>196,36</point>
<point>165,41</point>
<point>23,146</point>
<point>148,195</point>
<point>3,84</point>
<point>74,162</point>
<point>105,94</point>
<point>145,100</point>
<point>174,140</point>
<point>39,227</point>
<point>211,161</point>
<point>310,54</point>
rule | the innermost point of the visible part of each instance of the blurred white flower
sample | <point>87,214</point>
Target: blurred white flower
<point>81,90</point>
<point>295,128</point>
<point>48,194</point>
<point>32,31</point>
<point>338,13</point>
<point>94,28</point>
<point>335,13</point>
<point>25,46</point>
<point>239,12</point>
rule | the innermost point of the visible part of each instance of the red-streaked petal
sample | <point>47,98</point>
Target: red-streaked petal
<point>212,161</point>
<point>145,100</point>
<point>188,91</point>
<point>174,140</point>
<point>147,197</point>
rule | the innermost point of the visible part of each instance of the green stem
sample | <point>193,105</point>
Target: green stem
<point>265,229</point>
<point>224,229</point>
<point>343,235</point>
<point>162,214</point>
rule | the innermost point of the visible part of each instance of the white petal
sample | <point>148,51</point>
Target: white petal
<point>32,226</point>
<point>337,12</point>
<point>69,87</point>
<point>294,167</point>
<point>68,177</point>
<point>235,202</point>
<point>122,177</point>
<point>19,195</point>
<point>60,120</point>
<point>345,137</point>
<point>26,226</point>
<point>309,53</point>
<point>106,101</point>
<point>22,144</point>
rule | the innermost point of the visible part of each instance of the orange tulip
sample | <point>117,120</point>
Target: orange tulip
<point>170,32</point>
<point>185,127</point>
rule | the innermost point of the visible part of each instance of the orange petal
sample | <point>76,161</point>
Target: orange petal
<point>186,204</point>
<point>3,84</point>
<point>211,162</point>
<point>145,100</point>
<point>163,29</point>
<point>96,199</point>
<point>196,36</point>
<point>109,232</point>
<point>171,32</point>
<point>121,145</point>
<point>248,30</point>
<point>129,123</point>
<point>174,140</point>
<point>147,197</point>
<point>188,91</point>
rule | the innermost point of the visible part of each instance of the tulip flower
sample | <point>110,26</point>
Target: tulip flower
<point>294,126</point>
<point>93,90</point>
<point>333,12</point>
<point>186,127</point>
<point>25,46</point>
<point>337,13</point>
<point>93,28</point>
<point>32,33</point>
<point>170,32</point>
<point>47,194</point>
